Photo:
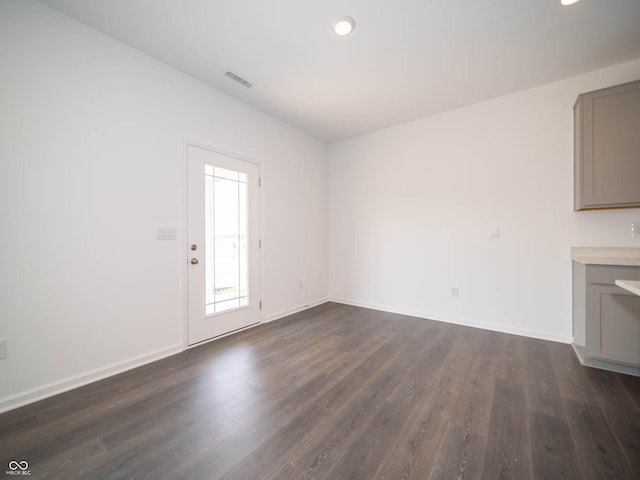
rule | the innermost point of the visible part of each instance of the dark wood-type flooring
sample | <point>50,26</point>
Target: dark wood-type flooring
<point>340,392</point>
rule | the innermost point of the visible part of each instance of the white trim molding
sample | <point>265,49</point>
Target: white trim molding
<point>69,383</point>
<point>292,310</point>
<point>457,321</point>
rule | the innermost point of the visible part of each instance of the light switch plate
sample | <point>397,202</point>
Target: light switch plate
<point>166,233</point>
<point>3,348</point>
<point>635,229</point>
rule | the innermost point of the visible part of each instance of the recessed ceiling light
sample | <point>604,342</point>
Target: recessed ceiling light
<point>344,25</point>
<point>565,3</point>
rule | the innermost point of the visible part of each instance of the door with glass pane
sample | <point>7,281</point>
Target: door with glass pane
<point>222,244</point>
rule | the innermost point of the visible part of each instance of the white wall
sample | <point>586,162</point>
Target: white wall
<point>411,208</point>
<point>92,159</point>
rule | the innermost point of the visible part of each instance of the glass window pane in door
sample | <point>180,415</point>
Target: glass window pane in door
<point>243,243</point>
<point>226,265</point>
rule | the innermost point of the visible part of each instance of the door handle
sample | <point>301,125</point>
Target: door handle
<point>194,261</point>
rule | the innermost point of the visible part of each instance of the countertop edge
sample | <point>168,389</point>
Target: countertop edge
<point>632,286</point>
<point>622,262</point>
<point>621,256</point>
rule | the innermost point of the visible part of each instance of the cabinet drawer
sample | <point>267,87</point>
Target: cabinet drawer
<point>607,275</point>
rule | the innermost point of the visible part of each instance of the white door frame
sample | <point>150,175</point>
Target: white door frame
<point>184,240</point>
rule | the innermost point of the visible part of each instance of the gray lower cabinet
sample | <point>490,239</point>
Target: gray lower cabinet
<point>606,318</point>
<point>607,148</point>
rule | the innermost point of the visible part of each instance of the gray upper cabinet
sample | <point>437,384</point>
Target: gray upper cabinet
<point>607,148</point>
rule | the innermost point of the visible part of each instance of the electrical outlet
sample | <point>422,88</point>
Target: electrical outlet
<point>3,348</point>
<point>454,292</point>
<point>635,229</point>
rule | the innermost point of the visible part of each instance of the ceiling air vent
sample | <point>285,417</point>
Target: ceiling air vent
<point>238,79</point>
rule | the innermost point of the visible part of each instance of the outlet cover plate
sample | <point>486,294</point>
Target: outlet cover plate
<point>635,229</point>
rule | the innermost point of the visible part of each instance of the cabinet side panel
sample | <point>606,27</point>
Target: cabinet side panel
<point>578,200</point>
<point>579,304</point>
<point>587,150</point>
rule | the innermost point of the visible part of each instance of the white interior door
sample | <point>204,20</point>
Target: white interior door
<point>222,244</point>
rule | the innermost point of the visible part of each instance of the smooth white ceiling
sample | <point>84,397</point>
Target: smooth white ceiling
<point>405,60</point>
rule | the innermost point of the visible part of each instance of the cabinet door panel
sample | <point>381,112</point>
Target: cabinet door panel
<point>607,148</point>
<point>615,324</point>
<point>616,148</point>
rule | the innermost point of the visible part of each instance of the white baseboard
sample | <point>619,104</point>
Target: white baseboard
<point>457,321</point>
<point>54,388</point>
<point>291,311</point>
<point>69,383</point>
<point>604,364</point>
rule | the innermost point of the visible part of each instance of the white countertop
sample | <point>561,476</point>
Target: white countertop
<point>624,256</point>
<point>632,286</point>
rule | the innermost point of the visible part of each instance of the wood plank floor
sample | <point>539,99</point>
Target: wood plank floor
<point>340,392</point>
